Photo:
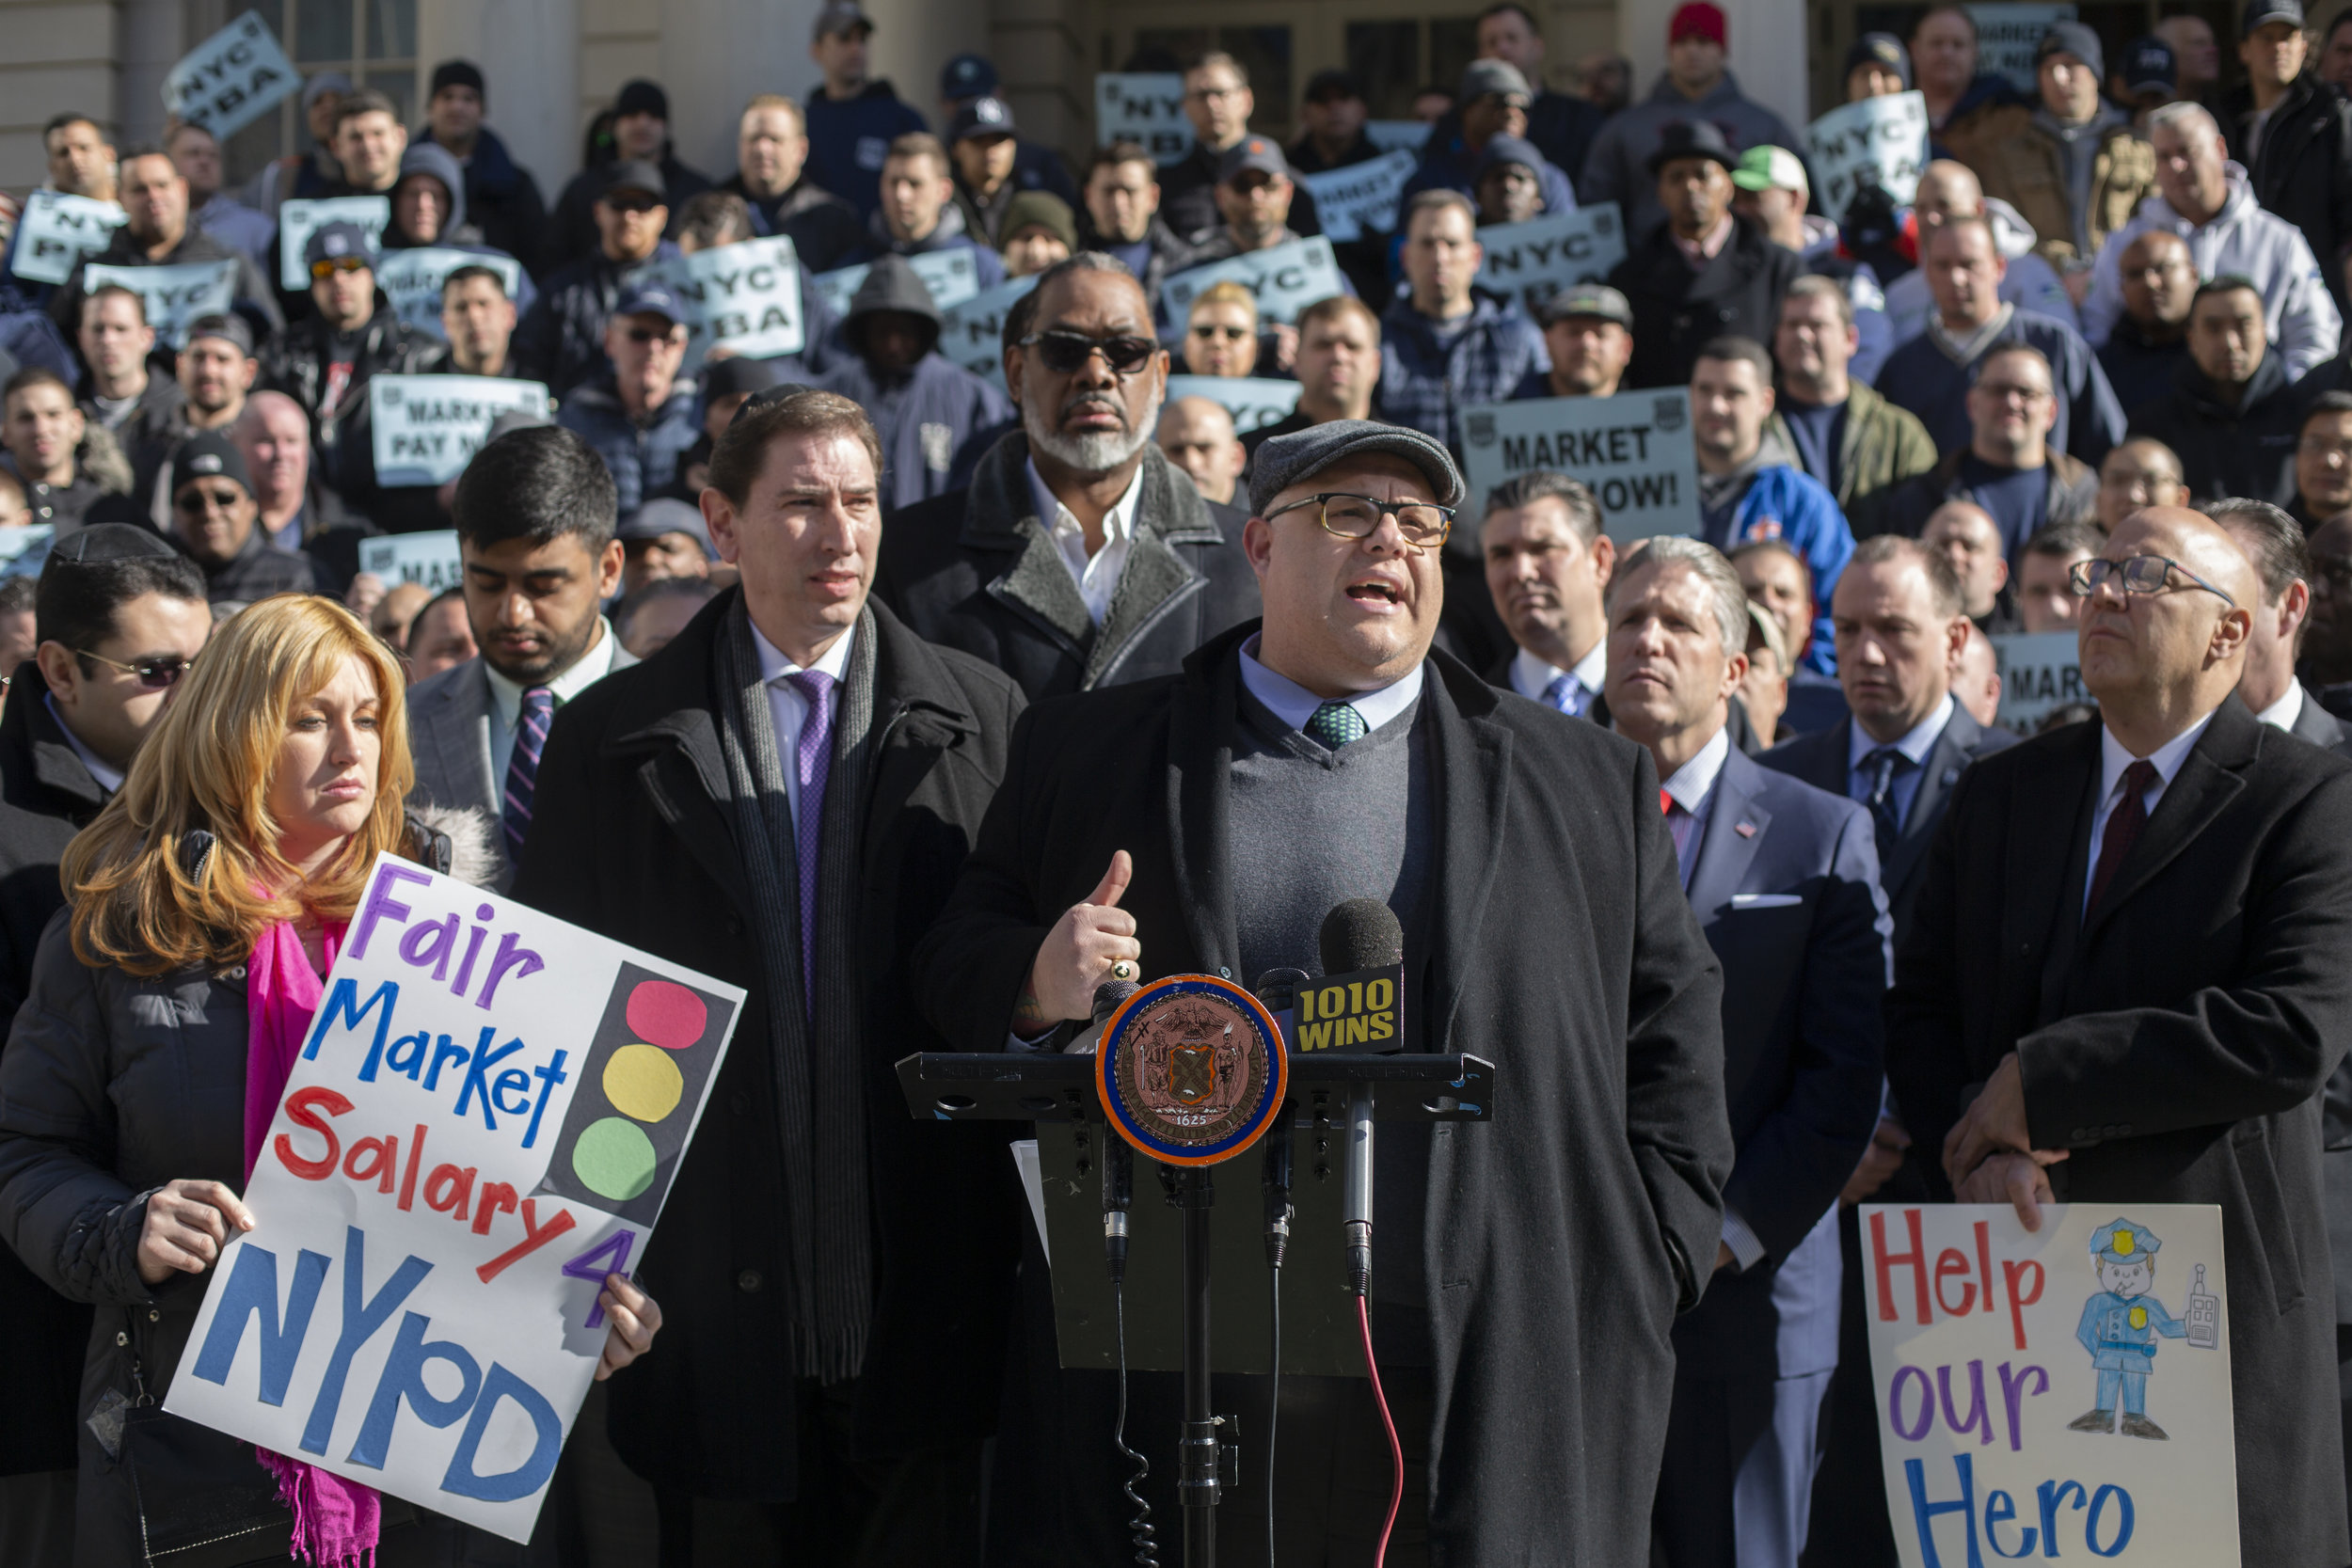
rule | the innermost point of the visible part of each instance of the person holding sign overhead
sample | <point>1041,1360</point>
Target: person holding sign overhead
<point>209,899</point>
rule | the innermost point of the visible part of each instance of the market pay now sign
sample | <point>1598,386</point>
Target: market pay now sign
<point>1633,450</point>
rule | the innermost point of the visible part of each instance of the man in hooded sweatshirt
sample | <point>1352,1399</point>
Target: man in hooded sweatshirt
<point>430,209</point>
<point>924,406</point>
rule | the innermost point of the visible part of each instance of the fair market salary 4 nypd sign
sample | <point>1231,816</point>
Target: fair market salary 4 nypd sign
<point>2054,1394</point>
<point>426,427</point>
<point>483,1124</point>
<point>231,79</point>
<point>1254,402</point>
<point>1361,197</point>
<point>972,334</point>
<point>1634,449</point>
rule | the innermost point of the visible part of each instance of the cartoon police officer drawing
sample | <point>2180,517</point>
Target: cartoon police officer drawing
<point>2120,1325</point>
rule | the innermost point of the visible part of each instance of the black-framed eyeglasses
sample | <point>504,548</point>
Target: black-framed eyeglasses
<point>2141,574</point>
<point>1065,352</point>
<point>1423,524</point>
<point>156,674</point>
<point>326,267</point>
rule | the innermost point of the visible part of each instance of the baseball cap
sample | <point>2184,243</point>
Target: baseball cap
<point>321,85</point>
<point>2149,66</point>
<point>649,298</point>
<point>665,514</point>
<point>982,116</point>
<point>1259,153</point>
<point>2259,12</point>
<point>636,175</point>
<point>1698,20</point>
<point>331,241</point>
<point>966,77</point>
<point>1587,299</point>
<point>1483,77</point>
<point>206,454</point>
<point>1881,49</point>
<point>839,16</point>
<point>1769,168</point>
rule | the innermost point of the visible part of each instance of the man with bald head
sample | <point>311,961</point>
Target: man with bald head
<point>2128,977</point>
<point>2149,339</point>
<point>1948,188</point>
<point>1275,746</point>
<point>1197,433</point>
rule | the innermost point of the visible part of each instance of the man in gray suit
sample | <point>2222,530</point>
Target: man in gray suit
<point>536,514</point>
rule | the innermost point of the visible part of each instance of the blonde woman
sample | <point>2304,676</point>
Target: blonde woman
<point>1221,333</point>
<point>205,905</point>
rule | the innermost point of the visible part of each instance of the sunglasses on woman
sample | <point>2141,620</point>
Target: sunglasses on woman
<point>156,674</point>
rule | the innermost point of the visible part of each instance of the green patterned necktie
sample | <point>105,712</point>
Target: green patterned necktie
<point>1336,723</point>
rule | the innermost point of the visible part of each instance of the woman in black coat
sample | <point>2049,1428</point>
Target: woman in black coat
<point>236,849</point>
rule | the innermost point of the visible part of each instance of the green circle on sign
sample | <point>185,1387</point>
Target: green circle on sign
<point>613,1159</point>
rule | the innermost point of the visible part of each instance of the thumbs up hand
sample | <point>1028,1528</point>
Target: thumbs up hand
<point>1090,939</point>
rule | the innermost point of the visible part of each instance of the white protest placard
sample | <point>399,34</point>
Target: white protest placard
<point>1391,135</point>
<point>1143,106</point>
<point>174,295</point>
<point>231,79</point>
<point>427,427</point>
<point>2007,35</point>
<point>2054,1394</point>
<point>56,230</point>
<point>1878,141</point>
<point>1633,450</point>
<point>2040,672</point>
<point>952,276</point>
<point>484,1123</point>
<point>428,559</point>
<point>1361,195</point>
<point>297,220</point>
<point>744,298</point>
<point>1286,278</point>
<point>1530,261</point>
<point>972,334</point>
<point>412,280</point>
<point>1255,401</point>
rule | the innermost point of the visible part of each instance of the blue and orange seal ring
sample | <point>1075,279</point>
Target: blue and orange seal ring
<point>1137,1126</point>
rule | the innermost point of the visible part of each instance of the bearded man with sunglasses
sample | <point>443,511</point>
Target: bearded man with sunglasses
<point>2130,972</point>
<point>1079,556</point>
<point>324,361</point>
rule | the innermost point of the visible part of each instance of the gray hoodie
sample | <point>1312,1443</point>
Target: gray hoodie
<point>1617,168</point>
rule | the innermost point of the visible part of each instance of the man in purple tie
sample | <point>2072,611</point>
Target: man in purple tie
<point>783,796</point>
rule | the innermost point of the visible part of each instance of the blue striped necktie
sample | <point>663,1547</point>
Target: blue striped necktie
<point>522,770</point>
<point>1567,694</point>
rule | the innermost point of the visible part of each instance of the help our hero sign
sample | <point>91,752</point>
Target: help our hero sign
<point>231,79</point>
<point>1878,141</point>
<point>1146,108</point>
<point>972,334</point>
<point>744,298</point>
<point>1284,279</point>
<point>173,295</point>
<point>56,230</point>
<point>1533,261</point>
<point>484,1123</point>
<point>425,428</point>
<point>1361,197</point>
<point>1634,449</point>
<point>2061,1393</point>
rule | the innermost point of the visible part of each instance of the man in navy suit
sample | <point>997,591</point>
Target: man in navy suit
<point>1784,879</point>
<point>1900,621</point>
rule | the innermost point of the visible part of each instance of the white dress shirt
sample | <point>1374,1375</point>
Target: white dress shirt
<point>1098,575</point>
<point>788,710</point>
<point>506,698</point>
<point>1692,787</point>
<point>1532,677</point>
<point>109,776</point>
<point>2113,761</point>
<point>1294,705</point>
<point>2287,710</point>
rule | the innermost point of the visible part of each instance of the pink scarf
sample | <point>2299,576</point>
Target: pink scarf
<point>335,1520</point>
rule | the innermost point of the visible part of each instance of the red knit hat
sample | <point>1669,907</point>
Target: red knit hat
<point>1698,20</point>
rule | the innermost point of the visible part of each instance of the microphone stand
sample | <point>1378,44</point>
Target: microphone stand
<point>1200,1457</point>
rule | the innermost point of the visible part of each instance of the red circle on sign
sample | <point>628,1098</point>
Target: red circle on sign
<point>667,1014</point>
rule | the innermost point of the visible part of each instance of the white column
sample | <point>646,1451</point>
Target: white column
<point>528,52</point>
<point>1766,55</point>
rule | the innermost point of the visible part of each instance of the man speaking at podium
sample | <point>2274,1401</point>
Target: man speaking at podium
<point>1526,1275</point>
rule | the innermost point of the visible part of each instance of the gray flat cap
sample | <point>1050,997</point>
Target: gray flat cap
<point>1294,459</point>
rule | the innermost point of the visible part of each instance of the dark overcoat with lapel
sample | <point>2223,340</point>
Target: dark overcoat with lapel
<point>2325,730</point>
<point>2174,1044</point>
<point>1786,887</point>
<point>977,570</point>
<point>1820,760</point>
<point>1562,1234</point>
<point>633,837</point>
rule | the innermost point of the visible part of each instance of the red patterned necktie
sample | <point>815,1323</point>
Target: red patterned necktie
<point>2123,828</point>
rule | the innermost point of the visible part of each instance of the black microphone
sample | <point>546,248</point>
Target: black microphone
<point>1360,934</point>
<point>1277,988</point>
<point>1107,998</point>
<point>1119,1160</point>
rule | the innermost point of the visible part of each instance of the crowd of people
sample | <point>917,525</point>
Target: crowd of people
<point>919,699</point>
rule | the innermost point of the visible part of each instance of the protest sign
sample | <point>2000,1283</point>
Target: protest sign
<point>1391,135</point>
<point>1878,141</point>
<point>412,280</point>
<point>1361,195</point>
<point>2007,37</point>
<point>1253,401</point>
<point>972,334</point>
<point>231,79</point>
<point>1286,279</point>
<point>56,230</point>
<point>2061,1393</point>
<point>297,220</point>
<point>1533,261</point>
<point>951,276</point>
<point>426,427</point>
<point>1634,449</point>
<point>2039,673</point>
<point>484,1122</point>
<point>428,559</point>
<point>1143,106</point>
<point>744,298</point>
<point>174,295</point>
<point>25,550</point>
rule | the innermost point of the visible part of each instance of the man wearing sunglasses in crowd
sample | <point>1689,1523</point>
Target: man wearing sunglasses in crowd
<point>560,340</point>
<point>121,616</point>
<point>1079,556</point>
<point>216,522</point>
<point>324,361</point>
<point>2129,975</point>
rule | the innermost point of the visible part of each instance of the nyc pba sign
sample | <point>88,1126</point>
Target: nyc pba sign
<point>231,79</point>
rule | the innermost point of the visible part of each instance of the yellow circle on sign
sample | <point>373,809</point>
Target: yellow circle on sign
<point>643,1081</point>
